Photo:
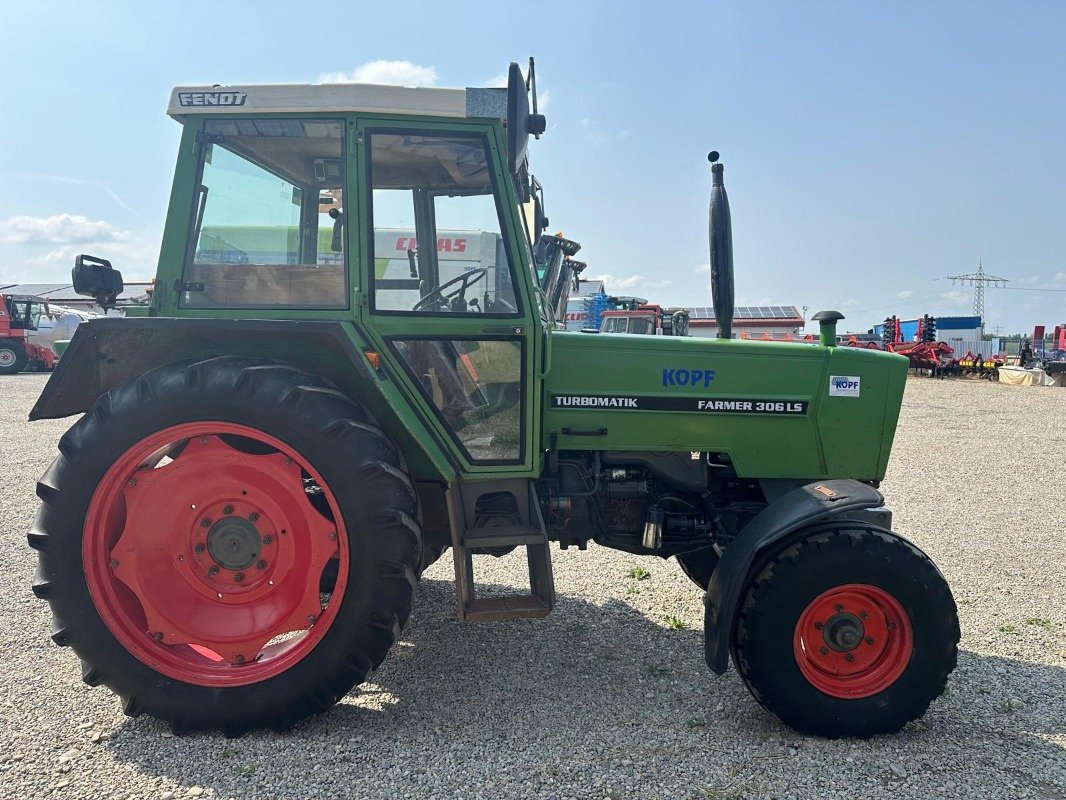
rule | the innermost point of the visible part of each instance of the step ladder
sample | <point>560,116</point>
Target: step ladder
<point>541,598</point>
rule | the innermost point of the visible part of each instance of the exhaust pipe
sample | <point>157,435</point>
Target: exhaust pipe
<point>720,233</point>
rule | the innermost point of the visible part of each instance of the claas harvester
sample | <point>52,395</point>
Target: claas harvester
<point>351,364</point>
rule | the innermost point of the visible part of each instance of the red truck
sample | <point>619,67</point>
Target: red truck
<point>18,318</point>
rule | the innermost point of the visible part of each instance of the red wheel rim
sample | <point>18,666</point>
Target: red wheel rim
<point>203,548</point>
<point>853,641</point>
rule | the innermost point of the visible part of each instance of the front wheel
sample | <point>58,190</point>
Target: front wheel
<point>849,631</point>
<point>13,357</point>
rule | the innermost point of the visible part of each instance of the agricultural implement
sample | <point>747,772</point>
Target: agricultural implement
<point>232,533</point>
<point>18,319</point>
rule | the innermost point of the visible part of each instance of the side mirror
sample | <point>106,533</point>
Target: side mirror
<point>95,277</point>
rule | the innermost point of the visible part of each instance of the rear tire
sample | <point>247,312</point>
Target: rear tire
<point>807,657</point>
<point>319,430</point>
<point>13,357</point>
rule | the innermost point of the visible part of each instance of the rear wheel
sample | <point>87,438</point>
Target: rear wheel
<point>185,529</point>
<point>849,631</point>
<point>13,357</point>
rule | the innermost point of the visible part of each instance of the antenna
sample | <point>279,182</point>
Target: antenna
<point>979,280</point>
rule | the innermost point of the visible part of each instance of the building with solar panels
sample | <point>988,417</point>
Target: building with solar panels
<point>750,322</point>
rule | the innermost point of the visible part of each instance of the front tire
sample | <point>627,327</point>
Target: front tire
<point>849,631</point>
<point>13,357</point>
<point>182,535</point>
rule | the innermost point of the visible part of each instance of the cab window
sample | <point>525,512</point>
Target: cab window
<point>268,217</point>
<point>437,244</point>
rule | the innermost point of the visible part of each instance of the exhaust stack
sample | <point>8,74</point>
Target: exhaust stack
<point>720,233</point>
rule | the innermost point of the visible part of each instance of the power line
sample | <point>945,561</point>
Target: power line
<point>979,280</point>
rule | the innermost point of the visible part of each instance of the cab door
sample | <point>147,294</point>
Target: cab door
<point>446,286</point>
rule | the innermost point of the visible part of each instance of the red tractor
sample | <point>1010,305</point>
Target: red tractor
<point>19,315</point>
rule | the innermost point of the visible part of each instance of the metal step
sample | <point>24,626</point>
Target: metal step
<point>486,609</point>
<point>509,536</point>
<point>541,598</point>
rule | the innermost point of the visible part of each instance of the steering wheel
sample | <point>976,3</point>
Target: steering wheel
<point>438,298</point>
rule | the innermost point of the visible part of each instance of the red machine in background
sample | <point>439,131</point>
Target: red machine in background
<point>18,317</point>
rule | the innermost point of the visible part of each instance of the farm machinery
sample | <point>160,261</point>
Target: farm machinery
<point>18,319</point>
<point>232,533</point>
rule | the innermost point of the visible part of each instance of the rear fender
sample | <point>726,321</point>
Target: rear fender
<point>799,508</point>
<point>105,352</point>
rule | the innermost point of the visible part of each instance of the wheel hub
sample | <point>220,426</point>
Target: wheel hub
<point>7,357</point>
<point>843,632</point>
<point>207,566</point>
<point>853,641</point>
<point>233,543</point>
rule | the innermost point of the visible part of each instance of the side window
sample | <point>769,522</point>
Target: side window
<point>640,325</point>
<point>476,387</point>
<point>438,246</point>
<point>268,226</point>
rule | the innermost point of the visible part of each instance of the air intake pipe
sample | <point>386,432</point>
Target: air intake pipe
<point>720,233</point>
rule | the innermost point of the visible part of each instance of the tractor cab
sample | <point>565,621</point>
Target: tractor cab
<point>20,313</point>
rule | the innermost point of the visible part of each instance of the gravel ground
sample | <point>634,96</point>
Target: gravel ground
<point>603,698</point>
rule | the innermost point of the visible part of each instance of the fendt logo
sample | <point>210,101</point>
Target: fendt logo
<point>688,377</point>
<point>212,98</point>
<point>843,386</point>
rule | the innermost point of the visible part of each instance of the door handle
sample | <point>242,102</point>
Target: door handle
<point>513,330</point>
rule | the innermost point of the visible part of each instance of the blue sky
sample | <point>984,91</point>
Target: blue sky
<point>870,149</point>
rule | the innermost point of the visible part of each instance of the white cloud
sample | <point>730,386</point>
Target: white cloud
<point>617,283</point>
<point>389,73</point>
<point>905,294</point>
<point>59,229</point>
<point>703,268</point>
<point>1060,276</point>
<point>497,81</point>
<point>136,257</point>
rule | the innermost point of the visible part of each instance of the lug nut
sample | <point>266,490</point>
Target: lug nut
<point>131,482</point>
<point>890,625</point>
<point>203,440</point>
<point>212,570</point>
<point>268,539</point>
<point>333,536</point>
<point>863,615</point>
<point>311,619</point>
<point>227,509</point>
<point>253,516</point>
<point>849,657</point>
<point>261,564</point>
<point>869,640</point>
<point>158,636</point>
<point>838,607</point>
<point>205,523</point>
<point>238,659</point>
<point>824,651</point>
<point>238,577</point>
<point>112,563</point>
<point>817,626</point>
<point>199,548</point>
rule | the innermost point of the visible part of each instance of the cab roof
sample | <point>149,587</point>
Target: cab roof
<point>190,101</point>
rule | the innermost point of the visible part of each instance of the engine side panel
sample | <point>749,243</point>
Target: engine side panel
<point>771,407</point>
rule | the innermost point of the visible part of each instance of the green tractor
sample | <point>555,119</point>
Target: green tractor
<point>351,364</point>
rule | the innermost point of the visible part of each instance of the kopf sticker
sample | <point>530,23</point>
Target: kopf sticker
<point>843,386</point>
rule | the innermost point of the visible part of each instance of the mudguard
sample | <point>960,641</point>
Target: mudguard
<point>105,352</point>
<point>803,506</point>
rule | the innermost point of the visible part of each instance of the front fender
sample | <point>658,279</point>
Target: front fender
<point>803,506</point>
